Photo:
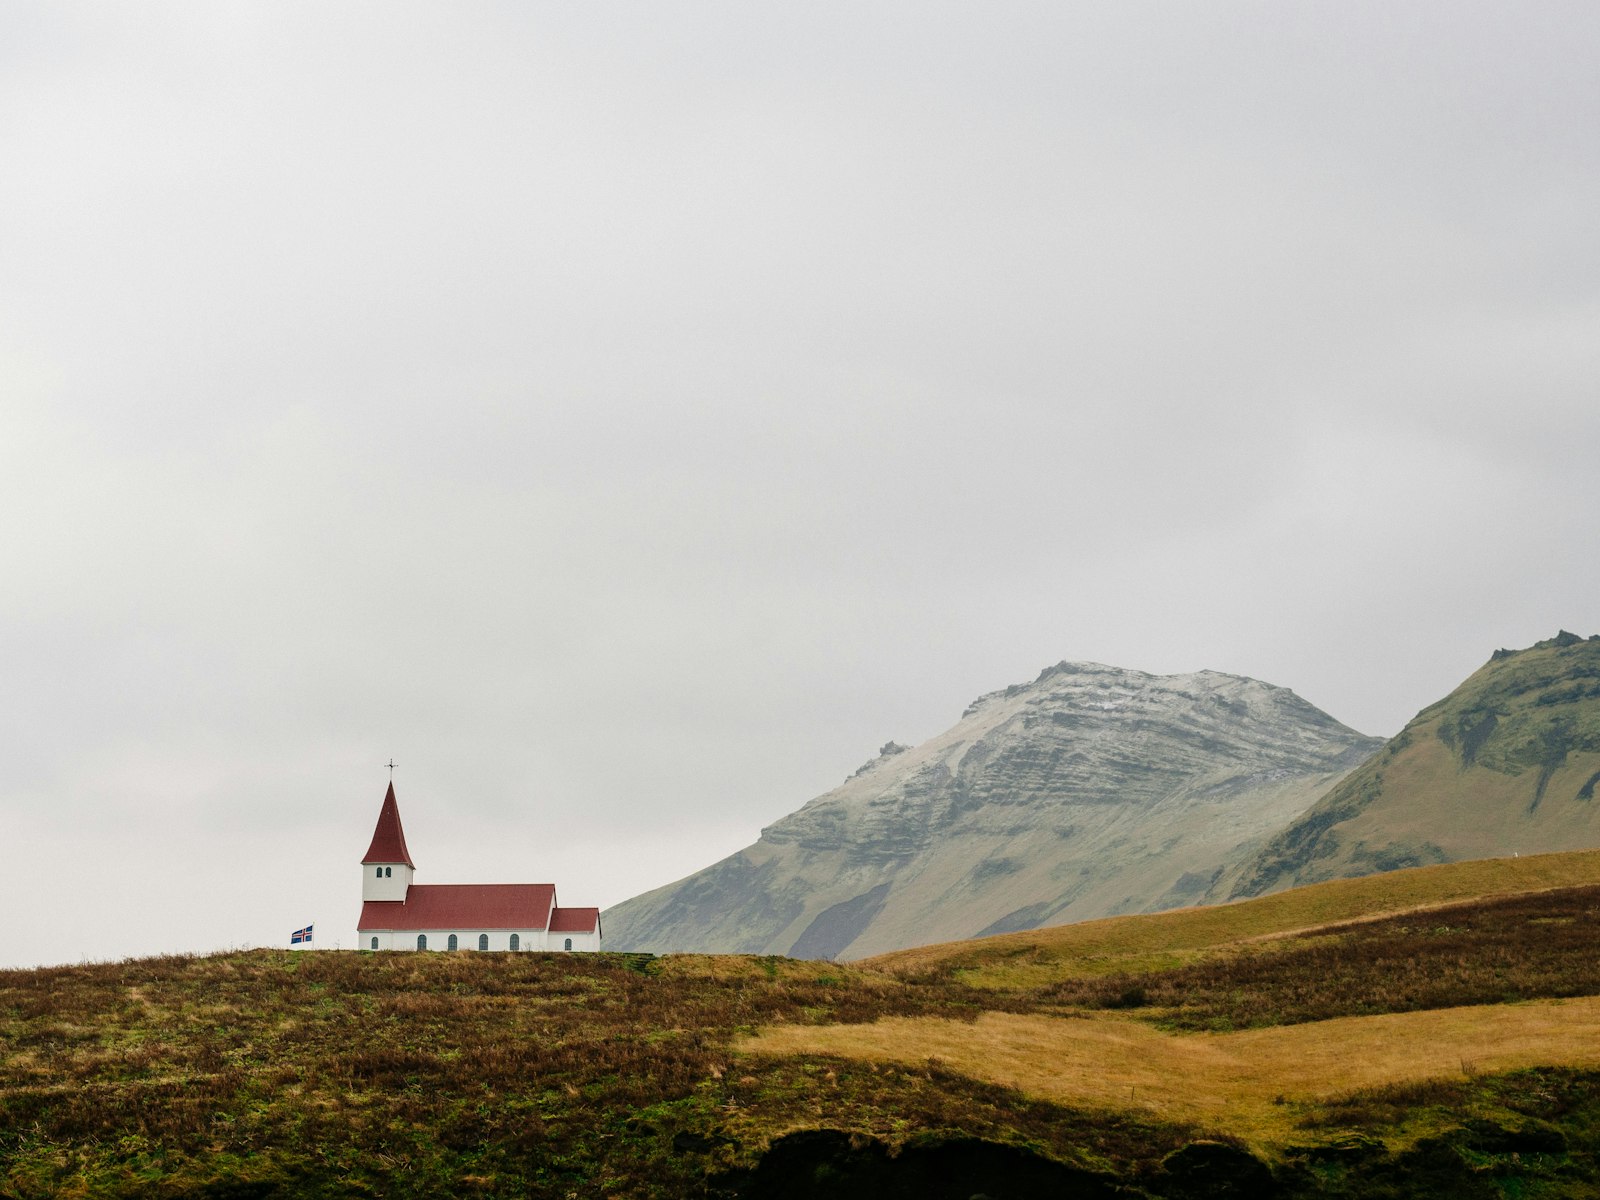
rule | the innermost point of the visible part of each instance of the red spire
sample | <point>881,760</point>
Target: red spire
<point>389,839</point>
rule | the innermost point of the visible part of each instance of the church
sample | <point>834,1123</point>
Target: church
<point>397,914</point>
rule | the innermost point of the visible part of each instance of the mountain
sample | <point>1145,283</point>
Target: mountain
<point>1088,792</point>
<point>1508,763</point>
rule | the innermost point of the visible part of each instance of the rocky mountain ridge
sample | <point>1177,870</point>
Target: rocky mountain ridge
<point>1089,791</point>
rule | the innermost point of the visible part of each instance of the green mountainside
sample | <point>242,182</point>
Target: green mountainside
<point>1508,763</point>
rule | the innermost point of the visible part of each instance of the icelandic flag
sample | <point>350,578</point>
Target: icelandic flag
<point>300,935</point>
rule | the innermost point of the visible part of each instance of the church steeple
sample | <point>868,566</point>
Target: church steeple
<point>389,838</point>
<point>387,868</point>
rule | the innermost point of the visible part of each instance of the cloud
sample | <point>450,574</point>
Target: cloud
<point>630,420</point>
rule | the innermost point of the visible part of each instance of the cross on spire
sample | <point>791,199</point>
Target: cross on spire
<point>391,764</point>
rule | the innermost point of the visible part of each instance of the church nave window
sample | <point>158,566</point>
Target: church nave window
<point>374,943</point>
<point>483,941</point>
<point>422,941</point>
<point>568,946</point>
<point>453,943</point>
<point>516,943</point>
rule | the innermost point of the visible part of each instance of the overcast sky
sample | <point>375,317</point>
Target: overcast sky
<point>629,417</point>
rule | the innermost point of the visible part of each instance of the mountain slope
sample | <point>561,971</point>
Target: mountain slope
<point>1090,791</point>
<point>1507,763</point>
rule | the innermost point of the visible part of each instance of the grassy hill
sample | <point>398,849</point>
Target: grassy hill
<point>1508,762</point>
<point>1304,1044</point>
<point>271,1073</point>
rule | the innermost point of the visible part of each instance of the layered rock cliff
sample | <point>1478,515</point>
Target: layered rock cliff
<point>1090,791</point>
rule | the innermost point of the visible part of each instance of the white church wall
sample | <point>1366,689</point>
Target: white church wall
<point>580,941</point>
<point>466,939</point>
<point>378,886</point>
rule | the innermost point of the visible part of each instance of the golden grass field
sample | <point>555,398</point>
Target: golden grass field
<point>1258,1083</point>
<point>1255,1083</point>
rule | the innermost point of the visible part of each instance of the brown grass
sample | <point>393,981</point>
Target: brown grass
<point>1520,947</point>
<point>409,1074</point>
<point>553,1075</point>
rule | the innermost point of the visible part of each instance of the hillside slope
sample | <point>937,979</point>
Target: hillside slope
<point>1090,791</point>
<point>1041,957</point>
<point>1507,763</point>
<point>1452,1054</point>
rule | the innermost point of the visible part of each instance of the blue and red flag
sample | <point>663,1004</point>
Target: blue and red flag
<point>300,935</point>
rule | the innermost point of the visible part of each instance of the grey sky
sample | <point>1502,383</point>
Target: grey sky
<point>631,416</point>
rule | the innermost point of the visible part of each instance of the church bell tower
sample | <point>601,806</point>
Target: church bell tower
<point>387,869</point>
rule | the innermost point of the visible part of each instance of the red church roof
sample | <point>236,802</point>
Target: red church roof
<point>575,920</point>
<point>466,906</point>
<point>389,839</point>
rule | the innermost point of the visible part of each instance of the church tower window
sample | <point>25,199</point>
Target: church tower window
<point>377,872</point>
<point>388,872</point>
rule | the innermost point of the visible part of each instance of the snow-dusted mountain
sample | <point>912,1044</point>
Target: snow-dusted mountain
<point>1090,791</point>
